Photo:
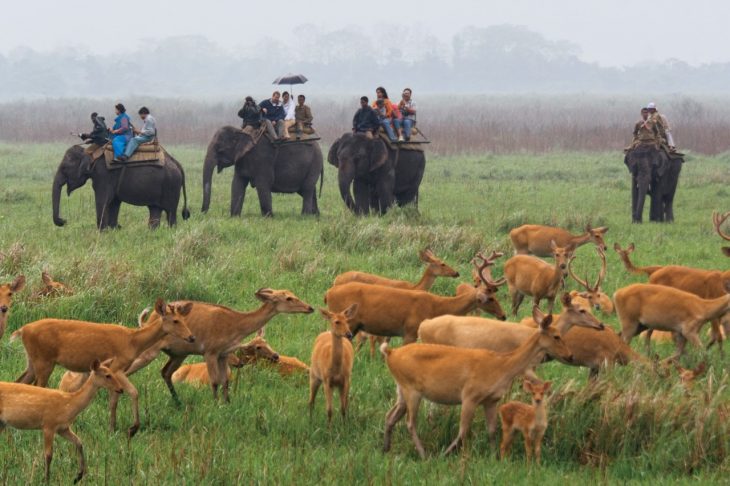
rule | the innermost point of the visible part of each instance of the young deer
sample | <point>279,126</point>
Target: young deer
<point>332,358</point>
<point>434,268</point>
<point>528,275</point>
<point>219,331</point>
<point>536,239</point>
<point>6,300</point>
<point>76,344</point>
<point>648,306</point>
<point>51,287</point>
<point>531,420</point>
<point>471,377</point>
<point>593,293</point>
<point>717,220</point>
<point>53,411</point>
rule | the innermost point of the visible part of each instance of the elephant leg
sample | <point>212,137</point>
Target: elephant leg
<point>315,203</point>
<point>102,212</point>
<point>671,189</point>
<point>238,194</point>
<point>113,210</point>
<point>385,194</point>
<point>155,217</point>
<point>264,193</point>
<point>406,197</point>
<point>643,180</point>
<point>362,197</point>
<point>171,217</point>
<point>308,195</point>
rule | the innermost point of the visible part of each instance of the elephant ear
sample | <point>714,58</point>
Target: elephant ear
<point>332,154</point>
<point>378,154</point>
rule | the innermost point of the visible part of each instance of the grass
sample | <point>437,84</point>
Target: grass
<point>631,427</point>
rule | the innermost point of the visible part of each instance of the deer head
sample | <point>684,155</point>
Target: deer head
<point>593,293</point>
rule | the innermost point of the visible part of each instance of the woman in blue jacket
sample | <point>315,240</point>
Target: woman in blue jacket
<point>121,131</point>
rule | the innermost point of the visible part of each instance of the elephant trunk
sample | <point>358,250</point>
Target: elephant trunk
<point>58,183</point>
<point>345,179</point>
<point>208,167</point>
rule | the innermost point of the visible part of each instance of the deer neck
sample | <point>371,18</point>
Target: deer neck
<point>336,363</point>
<point>250,322</point>
<point>557,278</point>
<point>717,307</point>
<point>563,324</point>
<point>458,305</point>
<point>580,239</point>
<point>427,280</point>
<point>145,337</point>
<point>521,358</point>
<point>541,413</point>
<point>80,399</point>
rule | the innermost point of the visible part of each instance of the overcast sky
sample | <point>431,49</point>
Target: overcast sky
<point>612,33</point>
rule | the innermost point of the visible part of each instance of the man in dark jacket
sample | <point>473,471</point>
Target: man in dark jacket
<point>250,113</point>
<point>366,119</point>
<point>273,115</point>
<point>99,134</point>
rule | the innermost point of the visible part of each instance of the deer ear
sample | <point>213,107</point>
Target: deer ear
<point>95,365</point>
<point>566,299</point>
<point>553,245</point>
<point>108,363</point>
<point>423,255</point>
<point>631,247</point>
<point>184,309</point>
<point>264,295</point>
<point>18,284</point>
<point>546,385</point>
<point>351,311</point>
<point>527,385</point>
<point>46,278</point>
<point>546,322</point>
<point>160,306</point>
<point>602,229</point>
<point>325,313</point>
<point>588,228</point>
<point>537,315</point>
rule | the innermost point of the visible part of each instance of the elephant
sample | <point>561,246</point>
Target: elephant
<point>663,187</point>
<point>282,168</point>
<point>653,173</point>
<point>156,187</point>
<point>379,175</point>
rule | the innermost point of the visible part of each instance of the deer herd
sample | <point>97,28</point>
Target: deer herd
<point>461,359</point>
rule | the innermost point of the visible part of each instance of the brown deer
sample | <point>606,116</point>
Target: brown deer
<point>76,344</point>
<point>53,411</point>
<point>528,275</point>
<point>51,287</point>
<point>688,376</point>
<point>717,220</point>
<point>648,306</point>
<point>624,255</point>
<point>219,331</point>
<point>593,293</point>
<point>535,239</point>
<point>471,377</point>
<point>385,311</point>
<point>7,291</point>
<point>531,420</point>
<point>435,267</point>
<point>332,359</point>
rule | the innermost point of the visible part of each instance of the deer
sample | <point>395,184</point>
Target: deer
<point>74,345</point>
<point>687,377</point>
<point>332,359</point>
<point>218,331</point>
<point>707,284</point>
<point>531,420</point>
<point>649,306</point>
<point>7,291</point>
<point>717,220</point>
<point>471,377</point>
<point>628,264</point>
<point>597,298</point>
<point>435,267</point>
<point>51,287</point>
<point>386,311</point>
<point>528,275</point>
<point>535,239</point>
<point>52,411</point>
<point>502,337</point>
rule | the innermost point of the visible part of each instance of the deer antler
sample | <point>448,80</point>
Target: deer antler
<point>584,283</point>
<point>484,268</point>
<point>602,272</point>
<point>718,219</point>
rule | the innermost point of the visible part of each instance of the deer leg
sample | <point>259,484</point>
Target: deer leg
<point>528,445</point>
<point>681,341</point>
<point>537,444</point>
<point>550,304</point>
<point>328,397</point>
<point>170,367</point>
<point>113,401</point>
<point>131,390</point>
<point>508,435</point>
<point>490,414</point>
<point>48,450</point>
<point>372,340</point>
<point>517,298</point>
<point>413,401</point>
<point>716,335</point>
<point>28,376</point>
<point>314,384</point>
<point>211,363</point>
<point>393,417</point>
<point>467,415</point>
<point>647,340</point>
<point>143,360</point>
<point>42,373</point>
<point>344,394</point>
<point>223,376</point>
<point>71,437</point>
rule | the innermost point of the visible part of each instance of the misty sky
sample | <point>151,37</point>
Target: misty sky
<point>612,33</point>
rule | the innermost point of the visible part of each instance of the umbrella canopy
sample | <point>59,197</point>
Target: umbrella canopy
<point>290,79</point>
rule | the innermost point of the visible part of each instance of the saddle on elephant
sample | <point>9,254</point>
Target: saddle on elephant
<point>150,153</point>
<point>414,145</point>
<point>309,135</point>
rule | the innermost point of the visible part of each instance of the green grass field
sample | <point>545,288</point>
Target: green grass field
<point>631,427</point>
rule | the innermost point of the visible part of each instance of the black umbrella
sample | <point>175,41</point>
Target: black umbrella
<point>291,79</point>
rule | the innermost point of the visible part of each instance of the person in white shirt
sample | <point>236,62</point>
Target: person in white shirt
<point>289,108</point>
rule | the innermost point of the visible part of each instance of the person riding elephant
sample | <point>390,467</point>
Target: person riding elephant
<point>268,167</point>
<point>121,131</point>
<point>156,187</point>
<point>379,175</point>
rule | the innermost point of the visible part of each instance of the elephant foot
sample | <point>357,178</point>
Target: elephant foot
<point>636,221</point>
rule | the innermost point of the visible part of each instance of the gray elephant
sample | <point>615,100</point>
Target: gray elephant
<point>663,187</point>
<point>282,168</point>
<point>378,174</point>
<point>656,174</point>
<point>157,187</point>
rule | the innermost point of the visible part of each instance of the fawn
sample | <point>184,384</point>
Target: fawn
<point>531,420</point>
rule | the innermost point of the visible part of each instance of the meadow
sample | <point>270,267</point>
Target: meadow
<point>631,426</point>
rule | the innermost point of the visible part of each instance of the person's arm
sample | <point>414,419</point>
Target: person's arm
<point>242,112</point>
<point>308,118</point>
<point>149,129</point>
<point>354,121</point>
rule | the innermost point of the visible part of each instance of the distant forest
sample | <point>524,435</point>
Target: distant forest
<point>495,60</point>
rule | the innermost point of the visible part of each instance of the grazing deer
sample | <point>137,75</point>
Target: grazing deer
<point>531,420</point>
<point>536,239</point>
<point>706,284</point>
<point>528,275</point>
<point>332,359</point>
<point>434,268</point>
<point>76,344</point>
<point>53,411</point>
<point>471,377</point>
<point>593,293</point>
<point>385,311</point>
<point>717,220</point>
<point>648,306</point>
<point>6,300</point>
<point>51,287</point>
<point>219,331</point>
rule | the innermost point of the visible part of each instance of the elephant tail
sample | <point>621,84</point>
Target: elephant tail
<point>321,181</point>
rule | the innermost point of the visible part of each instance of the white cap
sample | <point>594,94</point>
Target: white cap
<point>651,106</point>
